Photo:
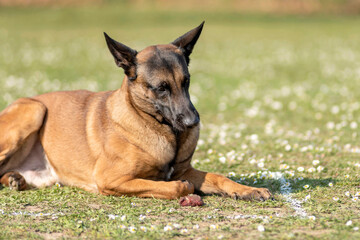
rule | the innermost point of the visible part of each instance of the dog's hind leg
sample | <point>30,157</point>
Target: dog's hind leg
<point>17,122</point>
<point>14,180</point>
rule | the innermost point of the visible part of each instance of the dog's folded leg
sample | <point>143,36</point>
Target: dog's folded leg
<point>210,183</point>
<point>148,188</point>
<point>22,118</point>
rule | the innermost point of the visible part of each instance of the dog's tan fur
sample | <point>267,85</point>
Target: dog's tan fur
<point>115,142</point>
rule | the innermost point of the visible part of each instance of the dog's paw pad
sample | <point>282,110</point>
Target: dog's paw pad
<point>17,182</point>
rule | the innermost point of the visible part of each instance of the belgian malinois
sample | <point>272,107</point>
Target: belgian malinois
<point>135,141</point>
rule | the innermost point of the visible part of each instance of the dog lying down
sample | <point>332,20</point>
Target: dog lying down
<point>137,140</point>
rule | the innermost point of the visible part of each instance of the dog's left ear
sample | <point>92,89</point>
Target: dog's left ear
<point>187,41</point>
<point>124,56</point>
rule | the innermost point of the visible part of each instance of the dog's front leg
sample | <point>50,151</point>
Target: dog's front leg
<point>147,188</point>
<point>211,183</point>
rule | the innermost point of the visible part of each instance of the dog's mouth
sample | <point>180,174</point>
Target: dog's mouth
<point>176,125</point>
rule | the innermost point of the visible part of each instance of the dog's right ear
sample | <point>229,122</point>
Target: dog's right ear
<point>124,56</point>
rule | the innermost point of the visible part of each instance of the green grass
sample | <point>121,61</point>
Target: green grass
<point>274,93</point>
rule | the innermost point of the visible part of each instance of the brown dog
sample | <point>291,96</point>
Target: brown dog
<point>135,141</point>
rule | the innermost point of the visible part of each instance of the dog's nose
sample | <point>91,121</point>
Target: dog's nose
<point>188,120</point>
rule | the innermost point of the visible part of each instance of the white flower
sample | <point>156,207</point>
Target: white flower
<point>111,216</point>
<point>300,178</point>
<point>261,228</point>
<point>347,193</point>
<point>307,197</point>
<point>144,229</point>
<point>330,125</point>
<point>260,164</point>
<point>176,225</point>
<point>212,226</point>
<point>347,176</point>
<point>354,199</point>
<point>306,186</point>
<point>142,217</point>
<point>222,159</point>
<point>287,147</point>
<point>312,218</point>
<point>252,161</point>
<point>356,228</point>
<point>312,169</point>
<point>196,226</point>
<point>171,210</point>
<point>315,162</point>
<point>231,174</point>
<point>148,211</point>
<point>184,230</point>
<point>320,168</point>
<point>336,199</point>
<point>353,125</point>
<point>348,223</point>
<point>132,229</point>
<point>331,184</point>
<point>123,217</point>
<point>300,169</point>
<point>284,166</point>
<point>167,228</point>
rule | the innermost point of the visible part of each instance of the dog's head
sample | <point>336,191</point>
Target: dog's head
<point>158,79</point>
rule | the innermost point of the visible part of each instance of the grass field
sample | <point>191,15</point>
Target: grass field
<point>279,102</point>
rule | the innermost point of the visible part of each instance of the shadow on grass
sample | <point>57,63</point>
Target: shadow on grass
<point>295,186</point>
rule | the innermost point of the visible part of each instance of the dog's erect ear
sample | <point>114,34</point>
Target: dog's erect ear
<point>187,41</point>
<point>124,56</point>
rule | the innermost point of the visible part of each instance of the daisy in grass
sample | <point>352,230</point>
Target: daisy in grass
<point>307,197</point>
<point>354,199</point>
<point>176,225</point>
<point>213,226</point>
<point>348,223</point>
<point>335,199</point>
<point>144,229</point>
<point>167,228</point>
<point>261,228</point>
<point>184,231</point>
<point>315,162</point>
<point>331,184</point>
<point>312,218</point>
<point>347,193</point>
<point>132,229</point>
<point>306,186</point>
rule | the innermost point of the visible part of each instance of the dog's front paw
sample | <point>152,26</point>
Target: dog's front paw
<point>184,188</point>
<point>259,194</point>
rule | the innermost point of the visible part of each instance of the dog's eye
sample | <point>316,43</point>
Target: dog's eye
<point>163,87</point>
